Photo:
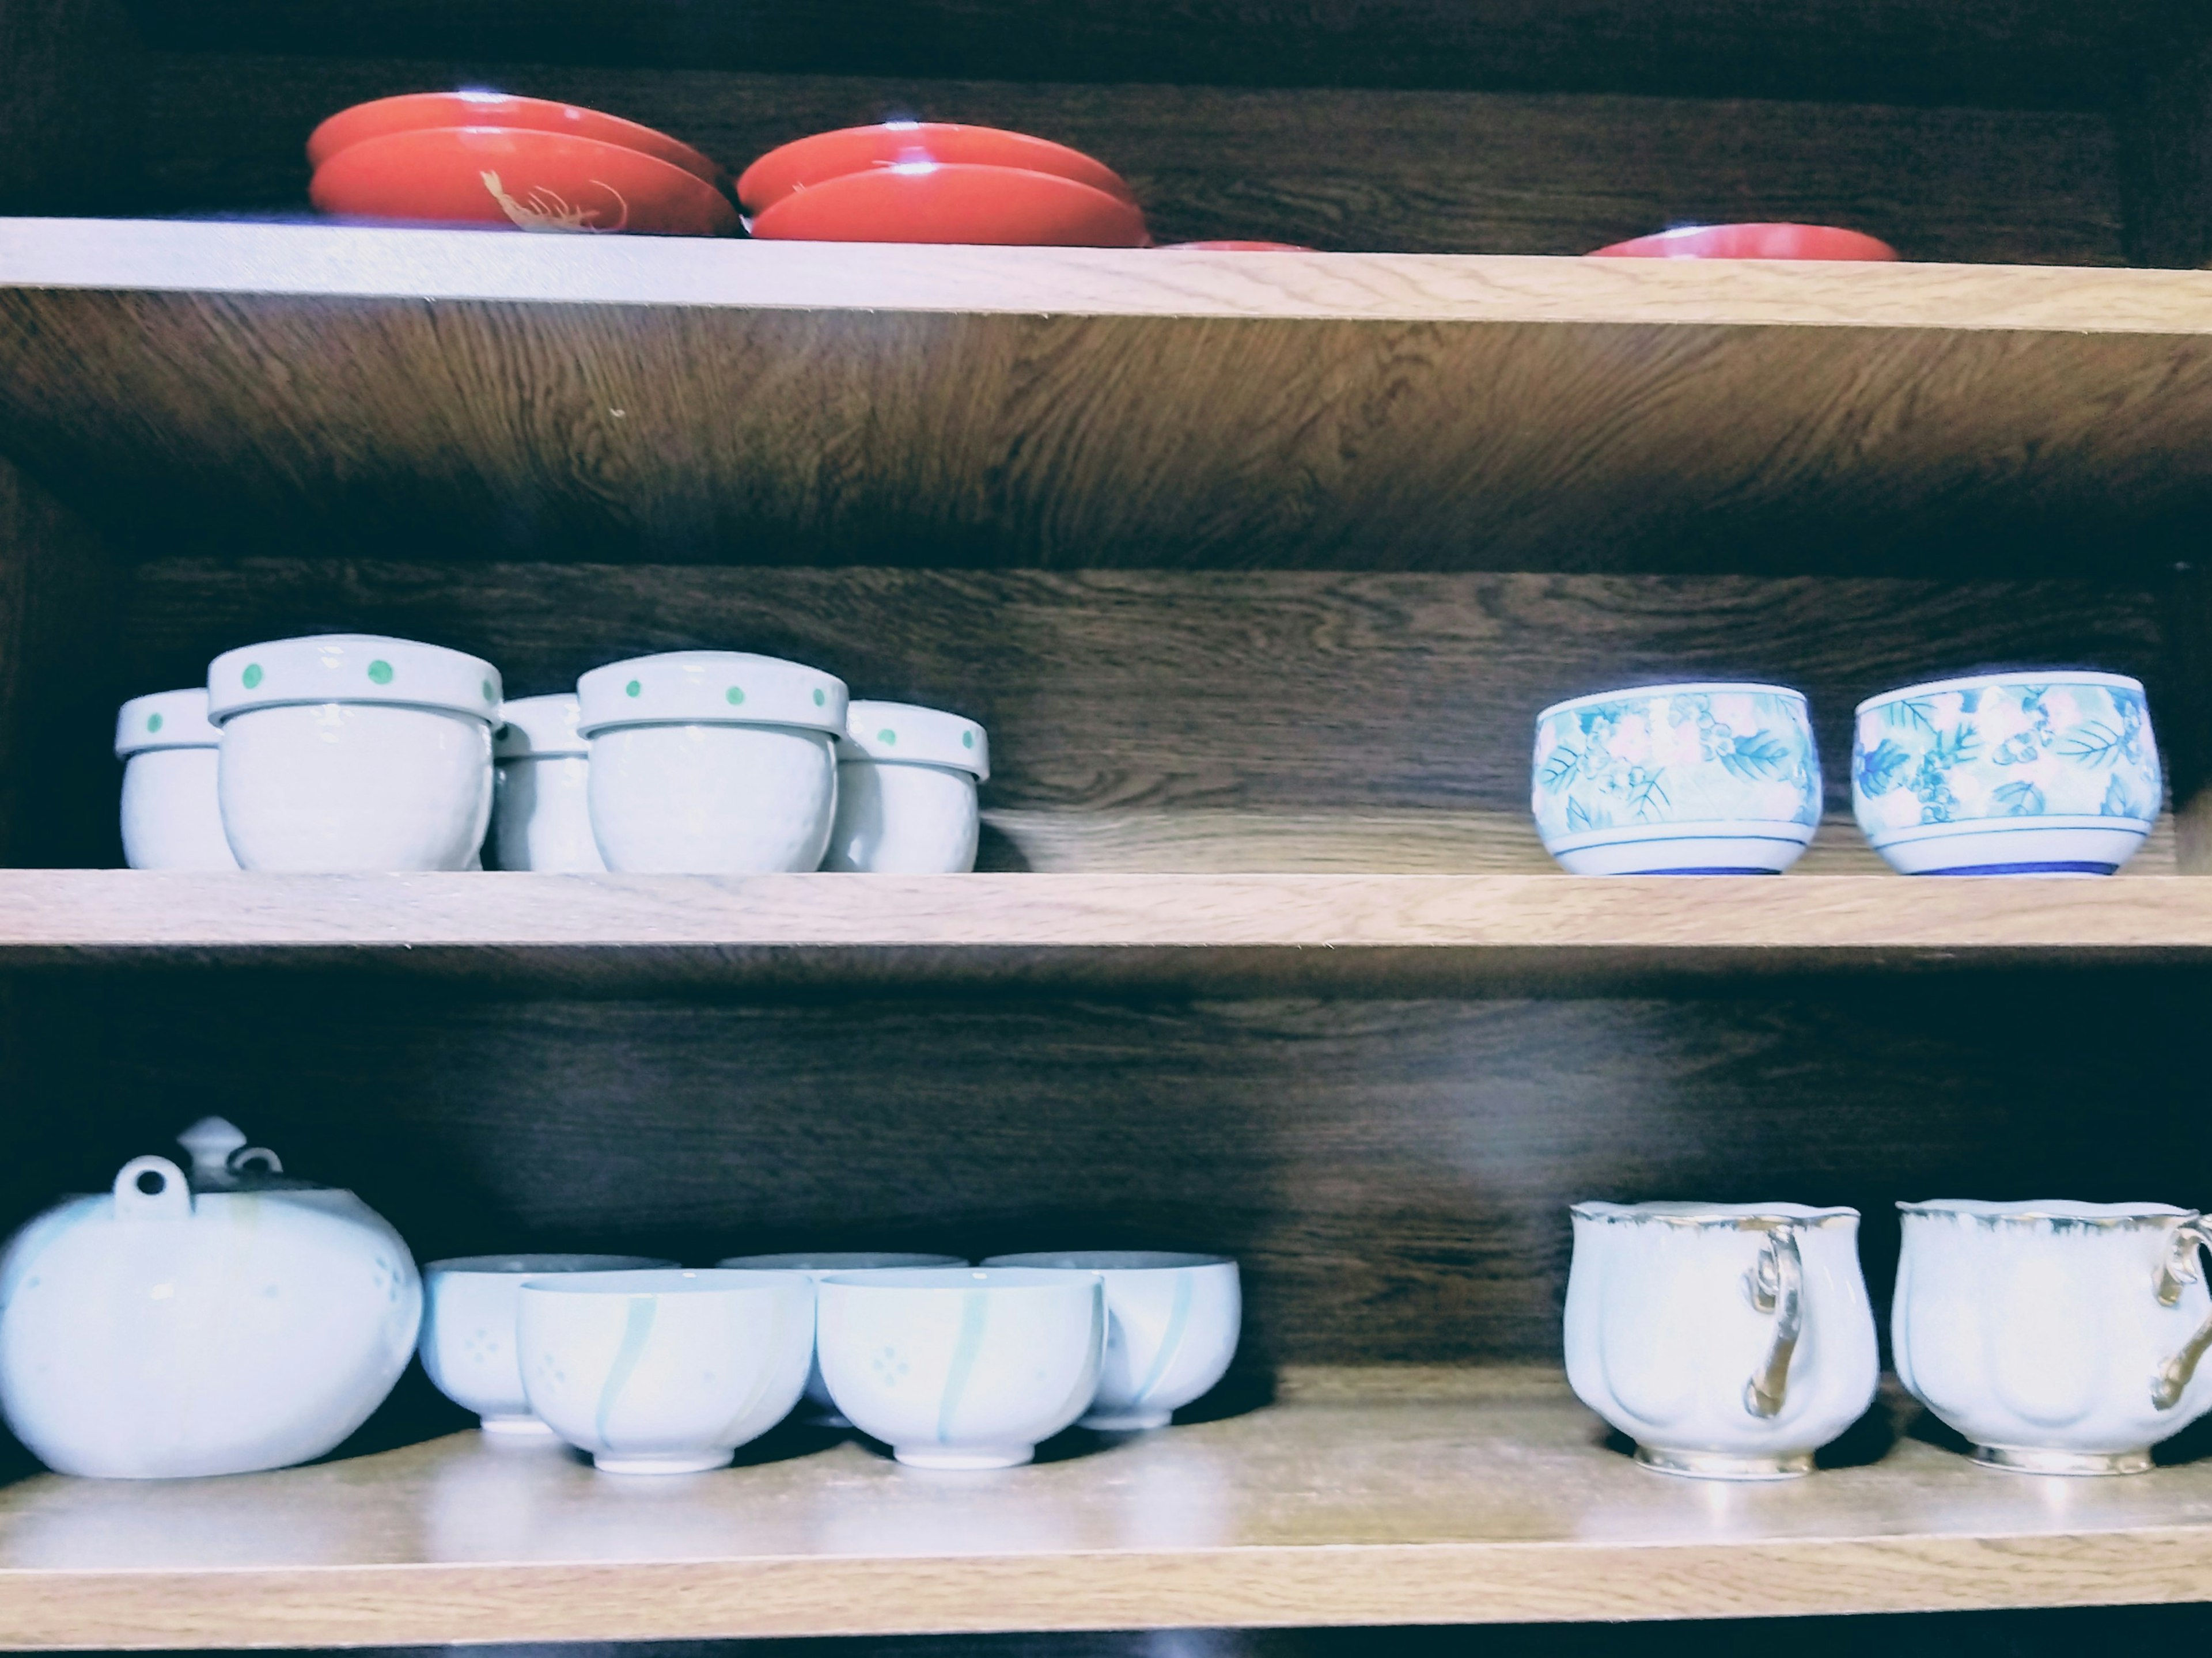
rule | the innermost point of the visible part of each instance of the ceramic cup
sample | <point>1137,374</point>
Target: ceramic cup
<point>712,762</point>
<point>1728,1341</point>
<point>1171,1328</point>
<point>470,1309</point>
<point>1678,780</point>
<point>350,752</point>
<point>2048,773</point>
<point>963,1368</point>
<point>664,1372</point>
<point>171,818</point>
<point>906,790</point>
<point>2060,1338</point>
<point>820,1410</point>
<point>541,813</point>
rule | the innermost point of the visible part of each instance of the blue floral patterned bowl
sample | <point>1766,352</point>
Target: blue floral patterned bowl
<point>1678,780</point>
<point>2047,773</point>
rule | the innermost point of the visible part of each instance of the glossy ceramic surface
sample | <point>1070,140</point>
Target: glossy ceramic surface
<point>1686,778</point>
<point>1752,241</point>
<point>519,180</point>
<point>541,815</point>
<point>411,111</point>
<point>807,162</point>
<point>991,206</point>
<point>469,1340</point>
<point>2059,1337</point>
<point>338,787</point>
<point>817,1265</point>
<point>1243,247</point>
<point>896,818</point>
<point>1728,1341</point>
<point>664,1372</point>
<point>2049,773</point>
<point>171,818</point>
<point>962,1368</point>
<point>156,1330</point>
<point>1172,1323</point>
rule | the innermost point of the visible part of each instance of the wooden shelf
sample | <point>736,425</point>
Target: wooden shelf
<point>265,387</point>
<point>1379,930</point>
<point>1424,1497</point>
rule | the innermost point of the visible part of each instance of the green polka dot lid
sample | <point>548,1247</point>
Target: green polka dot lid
<point>709,688</point>
<point>902,733</point>
<point>351,668</point>
<point>167,720</point>
<point>538,728</point>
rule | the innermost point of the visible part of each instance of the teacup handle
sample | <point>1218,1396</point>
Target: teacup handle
<point>2171,1380</point>
<point>1776,1283</point>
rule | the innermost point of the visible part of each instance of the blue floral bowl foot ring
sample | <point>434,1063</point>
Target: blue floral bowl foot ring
<point>1729,848</point>
<point>2042,847</point>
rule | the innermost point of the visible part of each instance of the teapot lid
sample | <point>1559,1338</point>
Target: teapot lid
<point>223,1161</point>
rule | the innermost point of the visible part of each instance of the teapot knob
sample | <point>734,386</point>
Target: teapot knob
<point>211,1141</point>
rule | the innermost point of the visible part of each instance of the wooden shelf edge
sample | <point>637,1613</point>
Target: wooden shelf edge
<point>355,261</point>
<point>1332,1507</point>
<point>126,910</point>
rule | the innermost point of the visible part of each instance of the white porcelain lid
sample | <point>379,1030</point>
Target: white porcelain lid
<point>166,719</point>
<point>351,668</point>
<point>717,688</point>
<point>531,726</point>
<point>929,736</point>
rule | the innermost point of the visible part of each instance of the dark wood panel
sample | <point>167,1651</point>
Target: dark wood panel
<point>1677,436</point>
<point>1355,171</point>
<point>72,86</point>
<point>1281,693</point>
<point>1986,52</point>
<point>1392,1173</point>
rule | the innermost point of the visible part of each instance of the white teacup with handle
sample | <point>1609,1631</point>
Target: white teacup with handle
<point>1728,1341</point>
<point>2060,1338</point>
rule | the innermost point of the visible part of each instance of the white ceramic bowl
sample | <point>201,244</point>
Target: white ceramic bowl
<point>350,752</point>
<point>711,762</point>
<point>171,818</point>
<point>664,1372</point>
<point>541,814</point>
<point>2052,772</point>
<point>1171,1328</point>
<point>1701,779</point>
<point>906,790</point>
<point>963,1368</point>
<point>470,1308</point>
<point>822,1411</point>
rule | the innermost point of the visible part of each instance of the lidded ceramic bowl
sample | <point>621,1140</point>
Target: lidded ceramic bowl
<point>2046,772</point>
<point>541,814</point>
<point>354,752</point>
<point>712,762</point>
<point>171,816</point>
<point>216,1322</point>
<point>906,790</point>
<point>1696,778</point>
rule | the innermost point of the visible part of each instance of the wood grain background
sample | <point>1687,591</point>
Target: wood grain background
<point>1168,720</point>
<point>1393,1173</point>
<point>1339,169</point>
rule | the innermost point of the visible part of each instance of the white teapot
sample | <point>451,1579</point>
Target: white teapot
<point>219,1323</point>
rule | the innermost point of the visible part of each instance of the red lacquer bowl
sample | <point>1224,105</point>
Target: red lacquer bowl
<point>809,162</point>
<point>1245,247</point>
<point>528,180</point>
<point>993,206</point>
<point>1751,241</point>
<point>416,111</point>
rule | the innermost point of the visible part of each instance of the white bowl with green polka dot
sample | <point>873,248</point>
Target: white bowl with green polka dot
<point>906,790</point>
<point>170,816</point>
<point>348,753</point>
<point>711,762</point>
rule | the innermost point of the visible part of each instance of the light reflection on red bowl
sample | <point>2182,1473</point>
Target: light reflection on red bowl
<point>994,206</point>
<point>415,111</point>
<point>1751,241</point>
<point>806,163</point>
<point>526,180</point>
